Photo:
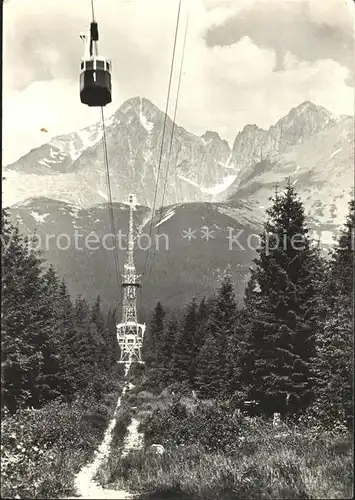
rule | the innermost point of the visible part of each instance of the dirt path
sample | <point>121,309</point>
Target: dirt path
<point>85,485</point>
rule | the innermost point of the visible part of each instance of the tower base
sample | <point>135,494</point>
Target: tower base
<point>130,339</point>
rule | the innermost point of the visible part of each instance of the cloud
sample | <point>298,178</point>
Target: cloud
<point>312,30</point>
<point>38,106</point>
<point>223,87</point>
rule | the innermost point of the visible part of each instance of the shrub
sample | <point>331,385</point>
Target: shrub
<point>275,469</point>
<point>184,422</point>
<point>43,449</point>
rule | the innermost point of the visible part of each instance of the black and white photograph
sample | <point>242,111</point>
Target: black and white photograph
<point>177,249</point>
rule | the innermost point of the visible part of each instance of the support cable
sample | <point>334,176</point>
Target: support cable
<point>110,204</point>
<point>163,135</point>
<point>108,182</point>
<point>92,11</point>
<point>172,136</point>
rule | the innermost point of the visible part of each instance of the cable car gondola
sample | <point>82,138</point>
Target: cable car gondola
<point>95,74</point>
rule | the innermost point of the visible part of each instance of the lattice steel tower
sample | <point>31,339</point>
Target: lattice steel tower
<point>130,333</point>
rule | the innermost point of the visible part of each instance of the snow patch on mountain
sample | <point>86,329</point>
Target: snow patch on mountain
<point>74,212</point>
<point>57,142</point>
<point>217,189</point>
<point>148,125</point>
<point>100,193</point>
<point>89,137</point>
<point>145,221</point>
<point>335,152</point>
<point>166,217</point>
<point>227,163</point>
<point>43,162</point>
<point>190,182</point>
<point>111,121</point>
<point>53,153</point>
<point>74,153</point>
<point>39,217</point>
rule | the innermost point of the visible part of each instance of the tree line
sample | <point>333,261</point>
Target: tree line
<point>51,345</point>
<point>288,346</point>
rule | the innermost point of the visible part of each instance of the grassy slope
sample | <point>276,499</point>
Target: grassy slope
<point>266,464</point>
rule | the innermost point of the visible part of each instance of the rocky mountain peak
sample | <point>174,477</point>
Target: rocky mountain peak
<point>139,110</point>
<point>302,122</point>
<point>308,107</point>
<point>251,128</point>
<point>194,168</point>
<point>210,135</point>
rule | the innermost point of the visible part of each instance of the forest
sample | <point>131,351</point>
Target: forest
<point>217,376</point>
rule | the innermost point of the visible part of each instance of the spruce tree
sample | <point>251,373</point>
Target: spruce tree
<point>153,337</point>
<point>85,343</point>
<point>29,357</point>
<point>282,303</point>
<point>341,277</point>
<point>49,314</point>
<point>171,333</point>
<point>103,341</point>
<point>212,369</point>
<point>202,318</point>
<point>67,341</point>
<point>333,364</point>
<point>112,333</point>
<point>183,364</point>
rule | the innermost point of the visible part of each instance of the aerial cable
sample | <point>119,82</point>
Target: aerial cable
<point>164,127</point>
<point>175,111</point>
<point>91,95</point>
<point>172,133</point>
<point>163,135</point>
<point>110,204</point>
<point>92,11</point>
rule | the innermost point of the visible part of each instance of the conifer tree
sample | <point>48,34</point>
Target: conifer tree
<point>171,333</point>
<point>202,318</point>
<point>67,341</point>
<point>112,332</point>
<point>152,340</point>
<point>341,267</point>
<point>183,364</point>
<point>50,348</point>
<point>212,364</point>
<point>333,365</point>
<point>49,314</point>
<point>29,360</point>
<point>103,341</point>
<point>282,303</point>
<point>85,347</point>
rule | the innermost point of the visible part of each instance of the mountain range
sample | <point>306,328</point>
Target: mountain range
<point>310,145</point>
<point>178,253</point>
<point>60,187</point>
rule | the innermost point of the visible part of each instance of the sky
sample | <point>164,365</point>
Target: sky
<point>245,62</point>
